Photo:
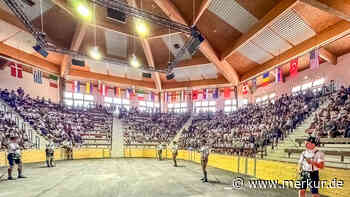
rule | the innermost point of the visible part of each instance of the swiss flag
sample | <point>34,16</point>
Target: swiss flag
<point>293,70</point>
<point>16,70</point>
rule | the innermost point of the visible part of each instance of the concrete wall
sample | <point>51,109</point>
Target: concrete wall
<point>27,83</point>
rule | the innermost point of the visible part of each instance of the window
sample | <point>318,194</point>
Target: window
<point>177,107</point>
<point>78,99</point>
<point>108,100</point>
<point>230,105</point>
<point>296,89</point>
<point>148,106</point>
<point>242,102</point>
<point>204,106</point>
<point>117,102</point>
<point>306,86</point>
<point>318,82</point>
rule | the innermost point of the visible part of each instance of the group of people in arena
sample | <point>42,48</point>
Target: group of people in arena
<point>143,127</point>
<point>252,127</point>
<point>334,120</point>
<point>55,121</point>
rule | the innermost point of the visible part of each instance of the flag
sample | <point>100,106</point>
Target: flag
<point>194,95</point>
<point>266,78</point>
<point>182,95</point>
<point>88,88</point>
<point>53,81</point>
<point>293,70</point>
<point>279,75</point>
<point>314,60</point>
<point>117,92</point>
<point>173,97</point>
<point>127,93</point>
<point>132,93</point>
<point>227,93</point>
<point>152,97</point>
<point>253,85</point>
<point>76,86</point>
<point>235,92</point>
<point>16,70</point>
<point>103,89</point>
<point>205,93</point>
<point>140,95</point>
<point>216,93</point>
<point>245,88</point>
<point>38,76</point>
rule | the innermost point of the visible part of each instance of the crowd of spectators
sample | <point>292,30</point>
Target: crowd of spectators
<point>334,120</point>
<point>151,128</point>
<point>252,127</point>
<point>56,121</point>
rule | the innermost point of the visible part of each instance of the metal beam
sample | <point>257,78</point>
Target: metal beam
<point>204,6</point>
<point>224,67</point>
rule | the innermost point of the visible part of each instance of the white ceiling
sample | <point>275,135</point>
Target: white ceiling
<point>198,72</point>
<point>116,44</point>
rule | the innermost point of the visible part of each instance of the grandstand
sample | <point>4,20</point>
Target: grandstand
<point>138,97</point>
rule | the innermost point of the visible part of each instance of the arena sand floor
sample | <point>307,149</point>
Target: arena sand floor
<point>127,178</point>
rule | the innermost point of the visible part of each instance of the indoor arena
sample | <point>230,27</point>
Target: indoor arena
<point>178,98</point>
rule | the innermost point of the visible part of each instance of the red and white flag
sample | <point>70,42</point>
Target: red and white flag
<point>16,70</point>
<point>245,88</point>
<point>102,89</point>
<point>293,70</point>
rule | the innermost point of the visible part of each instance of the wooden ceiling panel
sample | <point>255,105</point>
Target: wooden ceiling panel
<point>135,47</point>
<point>317,19</point>
<point>259,8</point>
<point>62,31</point>
<point>160,52</point>
<point>219,34</point>
<point>340,46</point>
<point>89,41</point>
<point>241,63</point>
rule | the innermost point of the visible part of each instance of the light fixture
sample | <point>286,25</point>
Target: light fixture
<point>142,28</point>
<point>95,53</point>
<point>134,62</point>
<point>83,10</point>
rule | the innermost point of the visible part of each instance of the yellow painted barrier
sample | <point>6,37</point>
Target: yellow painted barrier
<point>262,169</point>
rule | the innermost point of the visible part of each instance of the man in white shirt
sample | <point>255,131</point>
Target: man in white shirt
<point>310,162</point>
<point>50,150</point>
<point>14,157</point>
<point>174,150</point>
<point>204,152</point>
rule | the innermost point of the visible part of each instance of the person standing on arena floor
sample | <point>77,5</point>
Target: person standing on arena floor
<point>174,149</point>
<point>160,150</point>
<point>14,157</point>
<point>50,150</point>
<point>204,152</point>
<point>310,162</point>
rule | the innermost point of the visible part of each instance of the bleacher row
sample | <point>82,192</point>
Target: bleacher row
<point>74,127</point>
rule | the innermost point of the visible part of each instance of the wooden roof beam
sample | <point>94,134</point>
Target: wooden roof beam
<point>197,83</point>
<point>282,7</point>
<point>78,38</point>
<point>339,8</point>
<point>224,67</point>
<point>148,53</point>
<point>204,6</point>
<point>328,56</point>
<point>328,35</point>
<point>111,79</point>
<point>29,59</point>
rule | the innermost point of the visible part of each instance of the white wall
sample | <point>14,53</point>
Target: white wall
<point>27,83</point>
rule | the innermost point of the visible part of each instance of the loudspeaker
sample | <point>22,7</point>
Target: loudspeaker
<point>147,75</point>
<point>40,50</point>
<point>116,15</point>
<point>29,2</point>
<point>76,62</point>
<point>170,76</point>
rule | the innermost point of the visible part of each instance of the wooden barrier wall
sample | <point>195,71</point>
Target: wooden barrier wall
<point>262,169</point>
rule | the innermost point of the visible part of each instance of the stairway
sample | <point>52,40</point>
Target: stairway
<point>179,134</point>
<point>278,153</point>
<point>117,138</point>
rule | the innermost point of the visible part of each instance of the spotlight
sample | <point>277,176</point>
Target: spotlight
<point>170,76</point>
<point>95,53</point>
<point>134,62</point>
<point>142,28</point>
<point>83,10</point>
<point>40,50</point>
